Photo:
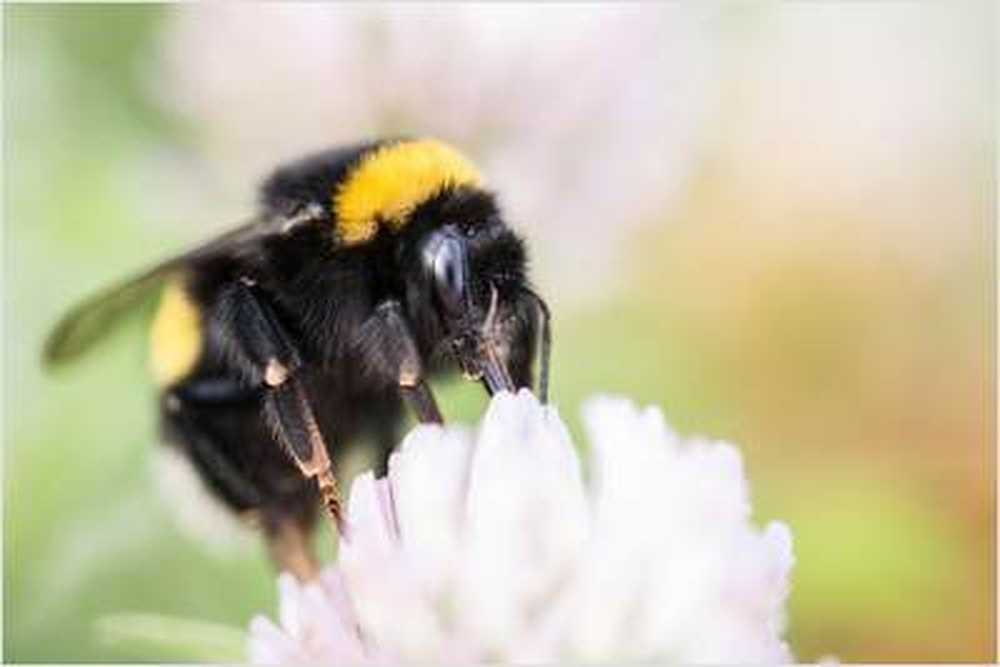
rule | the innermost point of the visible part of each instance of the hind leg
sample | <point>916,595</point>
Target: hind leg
<point>216,422</point>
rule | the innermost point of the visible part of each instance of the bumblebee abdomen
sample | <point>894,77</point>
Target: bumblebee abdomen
<point>176,340</point>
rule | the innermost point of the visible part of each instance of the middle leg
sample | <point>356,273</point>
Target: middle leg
<point>389,352</point>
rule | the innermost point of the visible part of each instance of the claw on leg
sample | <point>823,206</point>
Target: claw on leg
<point>329,492</point>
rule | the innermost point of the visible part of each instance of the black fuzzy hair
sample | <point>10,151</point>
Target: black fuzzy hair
<point>311,180</point>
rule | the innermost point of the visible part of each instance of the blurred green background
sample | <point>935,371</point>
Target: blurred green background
<point>817,289</point>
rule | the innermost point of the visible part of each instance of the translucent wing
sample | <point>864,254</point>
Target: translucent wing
<point>90,320</point>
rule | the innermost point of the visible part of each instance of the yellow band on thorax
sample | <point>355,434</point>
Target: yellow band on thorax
<point>175,339</point>
<point>391,181</point>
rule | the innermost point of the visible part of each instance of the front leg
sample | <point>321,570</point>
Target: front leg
<point>267,356</point>
<point>389,353</point>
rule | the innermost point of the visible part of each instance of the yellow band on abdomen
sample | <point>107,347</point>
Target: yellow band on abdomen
<point>175,339</point>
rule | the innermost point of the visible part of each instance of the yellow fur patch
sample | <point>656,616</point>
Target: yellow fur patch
<point>391,181</point>
<point>175,339</point>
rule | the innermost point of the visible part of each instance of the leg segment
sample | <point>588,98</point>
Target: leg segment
<point>267,356</point>
<point>390,353</point>
<point>546,325</point>
<point>384,432</point>
<point>288,410</point>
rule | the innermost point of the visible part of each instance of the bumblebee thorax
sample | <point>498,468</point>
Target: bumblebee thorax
<point>389,182</point>
<point>369,187</point>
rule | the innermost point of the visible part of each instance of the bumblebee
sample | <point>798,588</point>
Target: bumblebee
<point>367,270</point>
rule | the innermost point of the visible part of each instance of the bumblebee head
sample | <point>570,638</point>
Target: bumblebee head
<point>461,269</point>
<point>467,285</point>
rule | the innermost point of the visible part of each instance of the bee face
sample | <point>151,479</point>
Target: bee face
<point>471,276</point>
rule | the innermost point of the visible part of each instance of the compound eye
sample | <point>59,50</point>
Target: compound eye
<point>450,277</point>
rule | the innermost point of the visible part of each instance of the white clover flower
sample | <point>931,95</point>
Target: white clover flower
<point>492,547</point>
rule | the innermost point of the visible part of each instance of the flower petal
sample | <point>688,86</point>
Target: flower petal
<point>489,550</point>
<point>371,517</point>
<point>429,475</point>
<point>268,645</point>
<point>526,520</point>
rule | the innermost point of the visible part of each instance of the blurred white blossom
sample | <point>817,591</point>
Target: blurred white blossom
<point>584,117</point>
<point>492,547</point>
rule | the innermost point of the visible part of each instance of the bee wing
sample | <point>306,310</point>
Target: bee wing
<point>87,322</point>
